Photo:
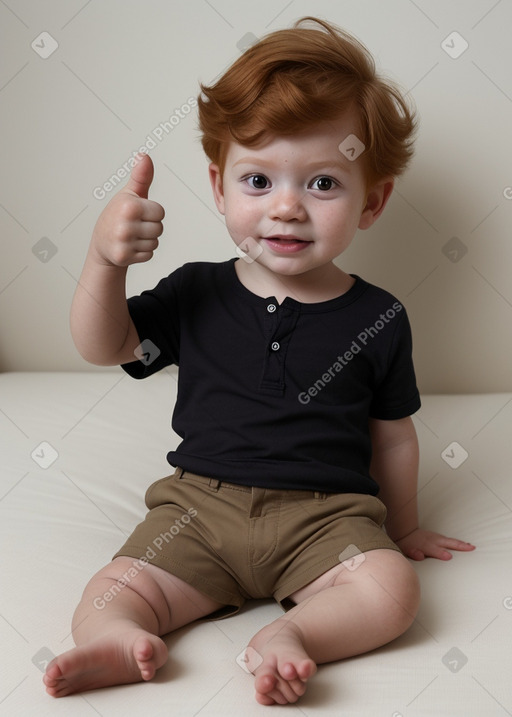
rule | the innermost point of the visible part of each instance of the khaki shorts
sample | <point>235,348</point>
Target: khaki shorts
<point>235,543</point>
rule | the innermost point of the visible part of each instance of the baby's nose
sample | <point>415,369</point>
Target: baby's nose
<point>288,204</point>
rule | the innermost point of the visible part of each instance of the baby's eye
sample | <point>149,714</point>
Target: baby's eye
<point>258,181</point>
<point>323,183</point>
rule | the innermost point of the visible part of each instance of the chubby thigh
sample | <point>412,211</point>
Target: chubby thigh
<point>234,542</point>
<point>382,569</point>
<point>137,585</point>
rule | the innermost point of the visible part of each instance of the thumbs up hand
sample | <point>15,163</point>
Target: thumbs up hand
<point>128,228</point>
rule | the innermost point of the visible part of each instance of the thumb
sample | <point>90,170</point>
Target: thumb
<point>141,177</point>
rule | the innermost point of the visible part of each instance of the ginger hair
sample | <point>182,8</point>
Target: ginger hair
<point>295,78</point>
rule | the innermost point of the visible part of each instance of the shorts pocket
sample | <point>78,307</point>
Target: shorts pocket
<point>357,504</point>
<point>381,511</point>
<point>159,491</point>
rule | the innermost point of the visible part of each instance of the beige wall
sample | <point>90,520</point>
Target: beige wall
<point>122,68</point>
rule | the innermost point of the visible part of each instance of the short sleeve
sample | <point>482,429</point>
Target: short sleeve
<point>396,394</point>
<point>156,315</point>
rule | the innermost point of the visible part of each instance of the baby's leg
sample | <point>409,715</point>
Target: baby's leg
<point>116,626</point>
<point>343,613</point>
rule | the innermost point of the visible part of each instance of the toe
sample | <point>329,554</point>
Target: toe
<point>143,654</point>
<point>271,689</point>
<point>265,683</point>
<point>298,687</point>
<point>264,699</point>
<point>306,669</point>
<point>142,649</point>
<point>288,672</point>
<point>271,698</point>
<point>52,675</point>
<point>53,679</point>
<point>149,656</point>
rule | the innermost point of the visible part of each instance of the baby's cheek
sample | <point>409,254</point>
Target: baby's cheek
<point>241,225</point>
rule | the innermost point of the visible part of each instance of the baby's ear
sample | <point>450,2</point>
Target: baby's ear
<point>376,200</point>
<point>217,188</point>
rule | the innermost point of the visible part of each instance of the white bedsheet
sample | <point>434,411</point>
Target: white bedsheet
<point>77,453</point>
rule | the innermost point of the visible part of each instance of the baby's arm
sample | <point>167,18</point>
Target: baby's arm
<point>395,468</point>
<point>126,233</point>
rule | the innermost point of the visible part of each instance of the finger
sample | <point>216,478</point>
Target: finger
<point>438,548</point>
<point>141,176</point>
<point>152,211</point>
<point>145,245</point>
<point>145,253</point>
<point>415,554</point>
<point>141,256</point>
<point>439,553</point>
<point>465,546</point>
<point>148,230</point>
<point>455,544</point>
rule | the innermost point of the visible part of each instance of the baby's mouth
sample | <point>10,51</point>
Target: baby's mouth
<point>286,238</point>
<point>283,243</point>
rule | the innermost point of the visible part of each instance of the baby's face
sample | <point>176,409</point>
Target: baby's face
<point>294,203</point>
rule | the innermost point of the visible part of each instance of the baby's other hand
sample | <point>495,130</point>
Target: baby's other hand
<point>421,544</point>
<point>128,228</point>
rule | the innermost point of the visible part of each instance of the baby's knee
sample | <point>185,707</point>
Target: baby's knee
<point>412,590</point>
<point>124,580</point>
<point>397,588</point>
<point>406,594</point>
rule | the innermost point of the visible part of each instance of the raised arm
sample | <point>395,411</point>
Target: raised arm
<point>395,468</point>
<point>126,233</point>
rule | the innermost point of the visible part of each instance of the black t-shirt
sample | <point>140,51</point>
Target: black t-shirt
<point>276,395</point>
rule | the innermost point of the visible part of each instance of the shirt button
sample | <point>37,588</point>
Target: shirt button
<point>271,308</point>
<point>275,346</point>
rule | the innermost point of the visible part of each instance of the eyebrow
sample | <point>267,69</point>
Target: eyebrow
<point>253,160</point>
<point>327,164</point>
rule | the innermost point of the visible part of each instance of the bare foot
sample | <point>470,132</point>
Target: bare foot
<point>279,663</point>
<point>117,658</point>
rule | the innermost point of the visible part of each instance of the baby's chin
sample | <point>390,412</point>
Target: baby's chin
<point>298,267</point>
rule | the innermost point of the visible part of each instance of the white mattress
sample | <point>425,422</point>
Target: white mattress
<point>109,435</point>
